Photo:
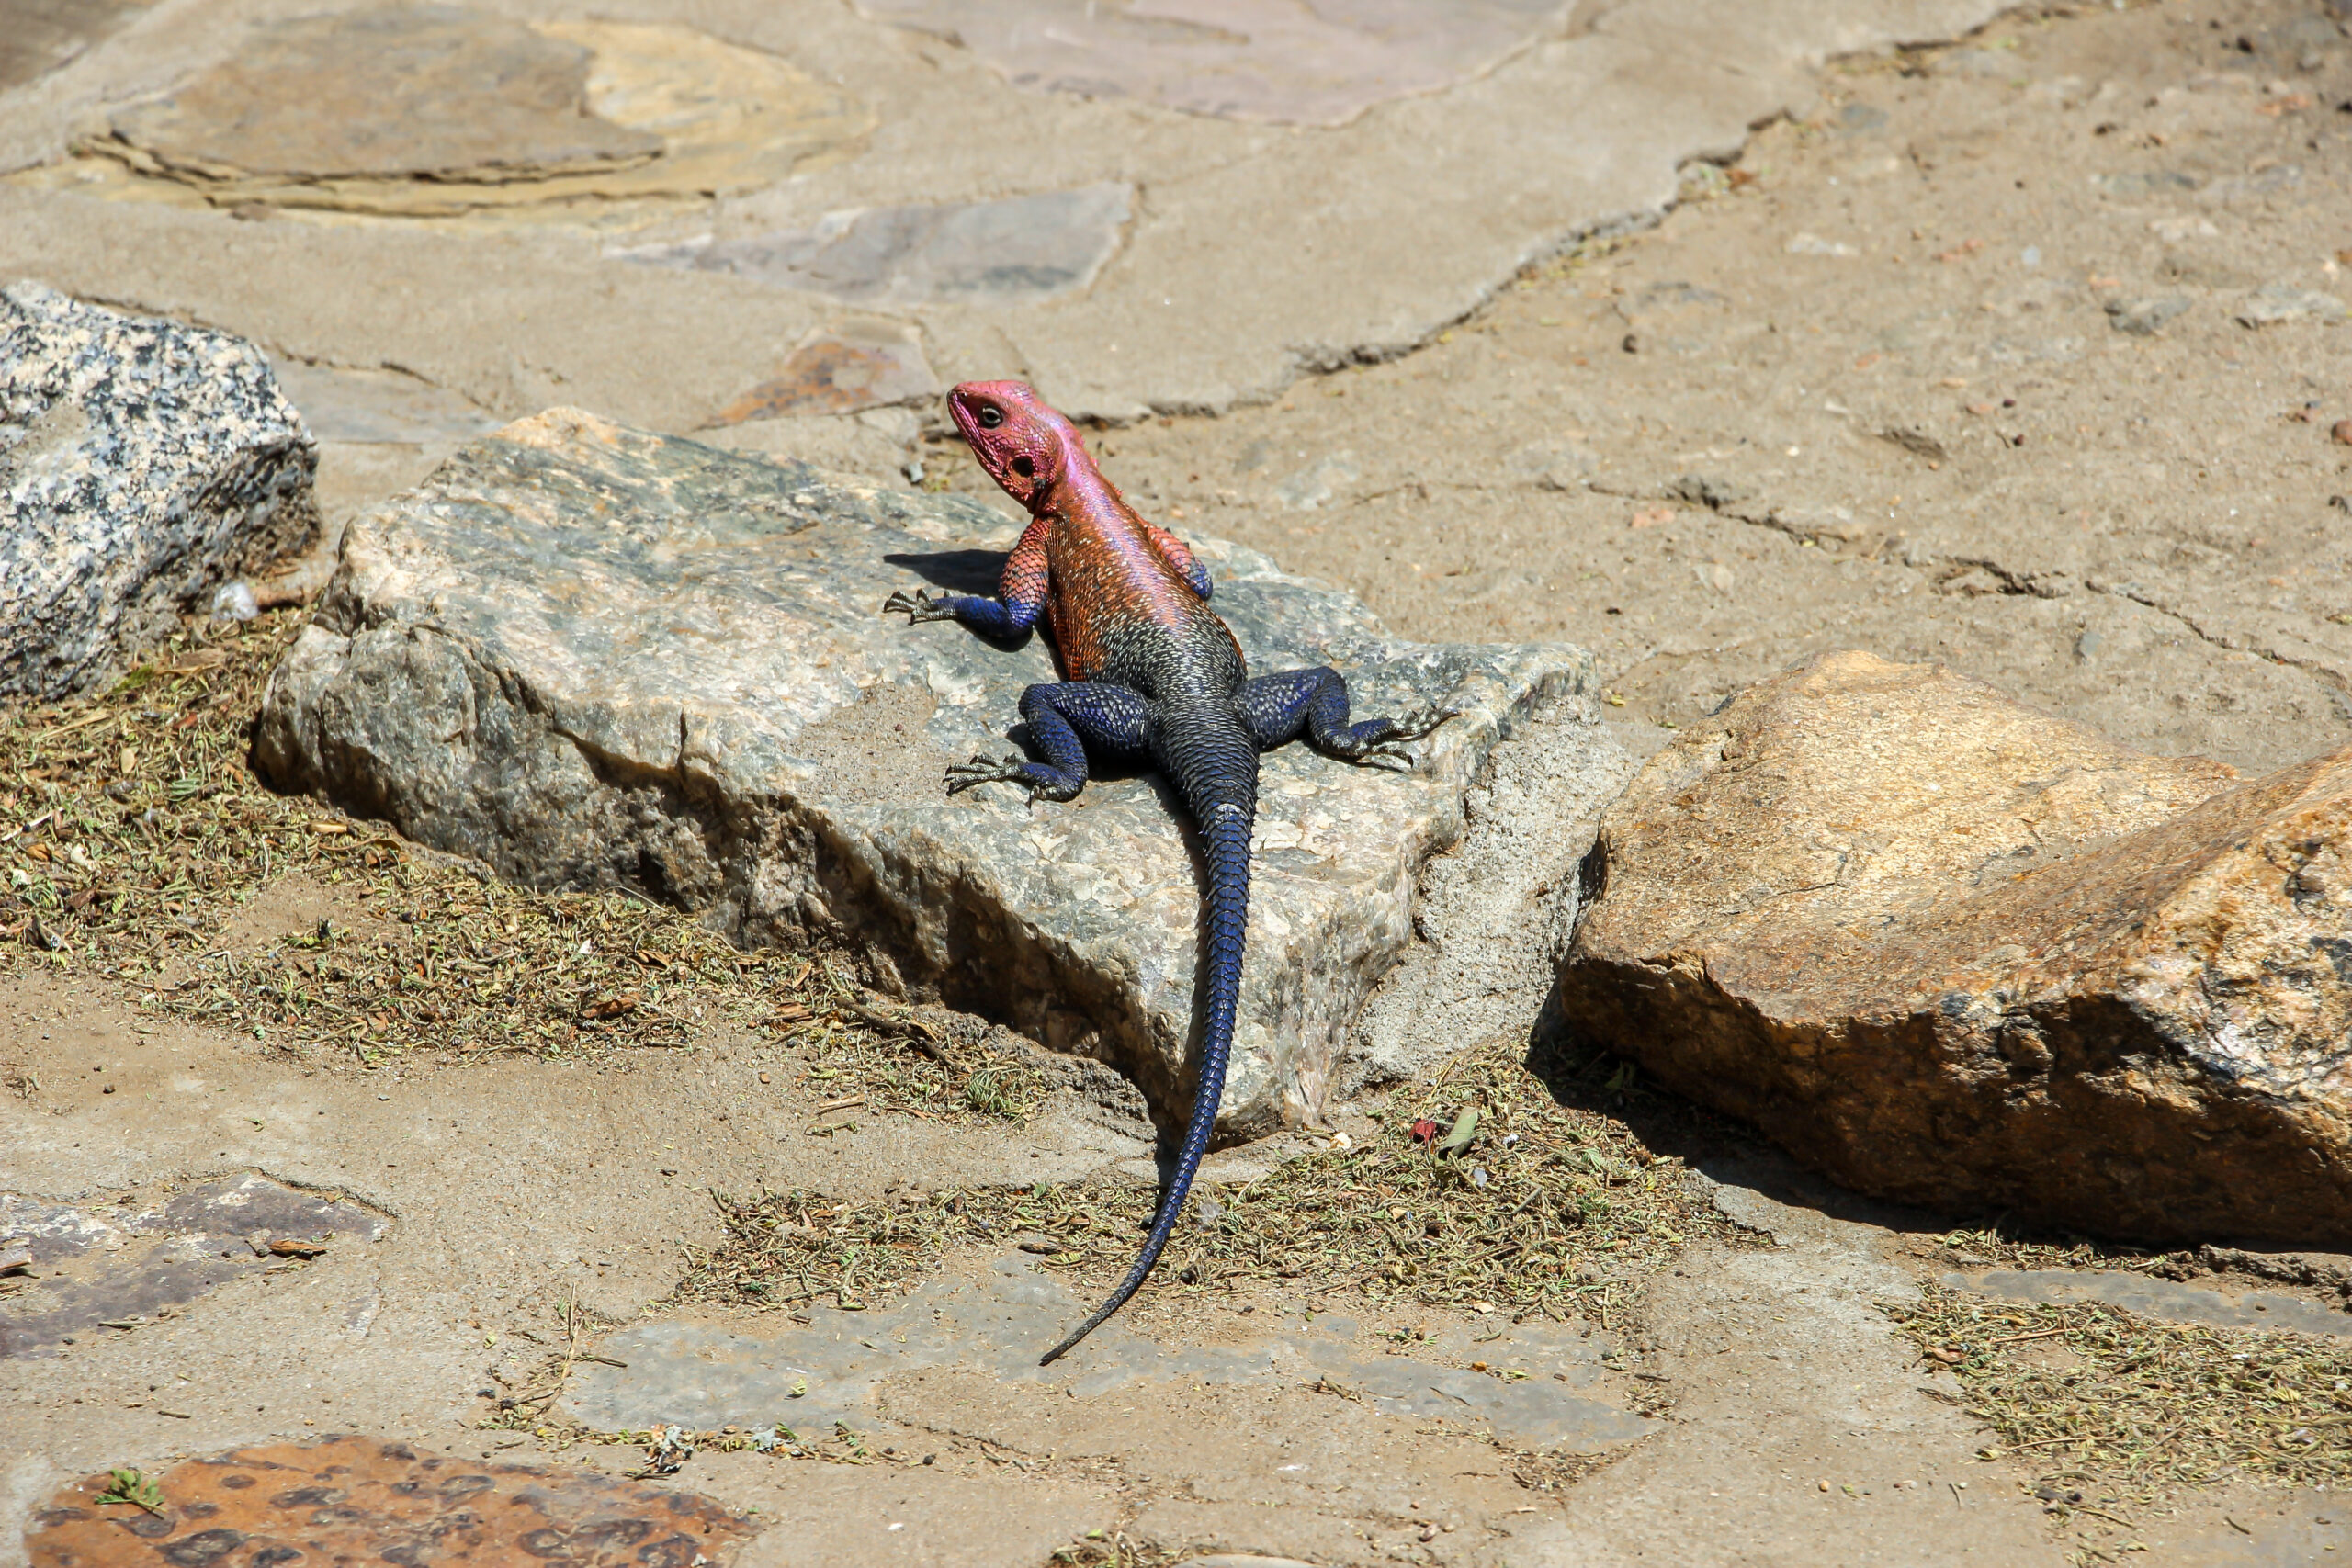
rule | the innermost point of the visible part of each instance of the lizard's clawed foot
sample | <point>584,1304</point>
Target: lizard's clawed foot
<point>919,607</point>
<point>1390,754</point>
<point>962,776</point>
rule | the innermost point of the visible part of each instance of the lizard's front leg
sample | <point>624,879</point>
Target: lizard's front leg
<point>1063,721</point>
<point>1278,708</point>
<point>1021,591</point>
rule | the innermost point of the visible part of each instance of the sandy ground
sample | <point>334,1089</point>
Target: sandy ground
<point>1871,387</point>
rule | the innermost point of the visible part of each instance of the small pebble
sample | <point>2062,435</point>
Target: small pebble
<point>2341,432</point>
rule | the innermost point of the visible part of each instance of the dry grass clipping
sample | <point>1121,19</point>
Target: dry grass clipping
<point>132,832</point>
<point>1990,1247</point>
<point>1549,1208</point>
<point>2093,1393</point>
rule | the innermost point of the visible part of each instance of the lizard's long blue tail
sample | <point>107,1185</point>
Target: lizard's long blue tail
<point>1225,815</point>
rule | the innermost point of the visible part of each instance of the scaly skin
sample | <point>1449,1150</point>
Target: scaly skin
<point>1148,671</point>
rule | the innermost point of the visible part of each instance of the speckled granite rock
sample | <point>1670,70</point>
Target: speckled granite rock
<point>142,463</point>
<point>587,654</point>
<point>1950,950</point>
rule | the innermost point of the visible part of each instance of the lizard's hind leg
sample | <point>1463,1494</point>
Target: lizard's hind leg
<point>1063,721</point>
<point>1278,708</point>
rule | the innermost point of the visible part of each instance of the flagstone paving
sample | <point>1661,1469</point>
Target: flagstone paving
<point>2016,354</point>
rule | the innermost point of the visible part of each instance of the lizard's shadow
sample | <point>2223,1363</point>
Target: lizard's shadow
<point>959,571</point>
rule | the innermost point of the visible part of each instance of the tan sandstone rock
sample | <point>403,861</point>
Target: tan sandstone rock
<point>1954,950</point>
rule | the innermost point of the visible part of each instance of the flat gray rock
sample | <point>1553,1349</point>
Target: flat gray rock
<point>378,406</point>
<point>701,1376</point>
<point>1304,64</point>
<point>2145,315</point>
<point>2276,302</point>
<point>142,462</point>
<point>589,655</point>
<point>996,254</point>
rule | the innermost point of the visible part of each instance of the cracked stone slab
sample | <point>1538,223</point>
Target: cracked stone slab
<point>434,110</point>
<point>1952,950</point>
<point>1018,251</point>
<point>589,655</point>
<point>1288,61</point>
<point>350,1498</point>
<point>142,462</point>
<point>702,1376</point>
<point>96,1266</point>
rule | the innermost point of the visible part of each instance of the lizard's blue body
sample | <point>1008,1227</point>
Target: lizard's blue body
<point>1152,673</point>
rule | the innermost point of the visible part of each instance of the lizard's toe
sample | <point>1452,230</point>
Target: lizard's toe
<point>1415,725</point>
<point>917,606</point>
<point>962,776</point>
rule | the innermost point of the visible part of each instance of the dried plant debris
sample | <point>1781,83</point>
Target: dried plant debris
<point>1541,1208</point>
<point>132,833</point>
<point>2095,1397</point>
<point>1111,1549</point>
<point>1990,1248</point>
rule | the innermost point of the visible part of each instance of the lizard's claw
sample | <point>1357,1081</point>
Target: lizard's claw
<point>1388,756</point>
<point>962,776</point>
<point>919,607</point>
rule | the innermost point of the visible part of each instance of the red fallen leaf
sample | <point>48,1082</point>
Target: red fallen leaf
<point>613,1007</point>
<point>1424,1130</point>
<point>289,1246</point>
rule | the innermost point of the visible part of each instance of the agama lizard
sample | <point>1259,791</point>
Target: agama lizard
<point>1149,672</point>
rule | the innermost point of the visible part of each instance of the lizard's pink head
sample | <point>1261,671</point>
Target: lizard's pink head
<point>1024,445</point>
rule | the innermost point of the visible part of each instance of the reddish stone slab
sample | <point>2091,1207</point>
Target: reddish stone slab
<point>356,1499</point>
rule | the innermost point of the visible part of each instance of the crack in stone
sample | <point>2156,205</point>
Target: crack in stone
<point>2334,680</point>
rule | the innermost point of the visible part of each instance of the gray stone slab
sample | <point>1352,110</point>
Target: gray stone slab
<point>340,404</point>
<point>2151,1297</point>
<point>1262,254</point>
<point>142,462</point>
<point>92,1266</point>
<point>1282,61</point>
<point>702,1376</point>
<point>588,655</point>
<point>42,35</point>
<point>1019,251</point>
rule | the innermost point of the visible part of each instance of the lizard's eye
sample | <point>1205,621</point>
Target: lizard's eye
<point>989,416</point>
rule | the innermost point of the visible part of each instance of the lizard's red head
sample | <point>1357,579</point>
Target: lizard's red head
<point>1024,445</point>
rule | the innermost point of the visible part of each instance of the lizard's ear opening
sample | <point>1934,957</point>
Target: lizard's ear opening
<point>1024,467</point>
